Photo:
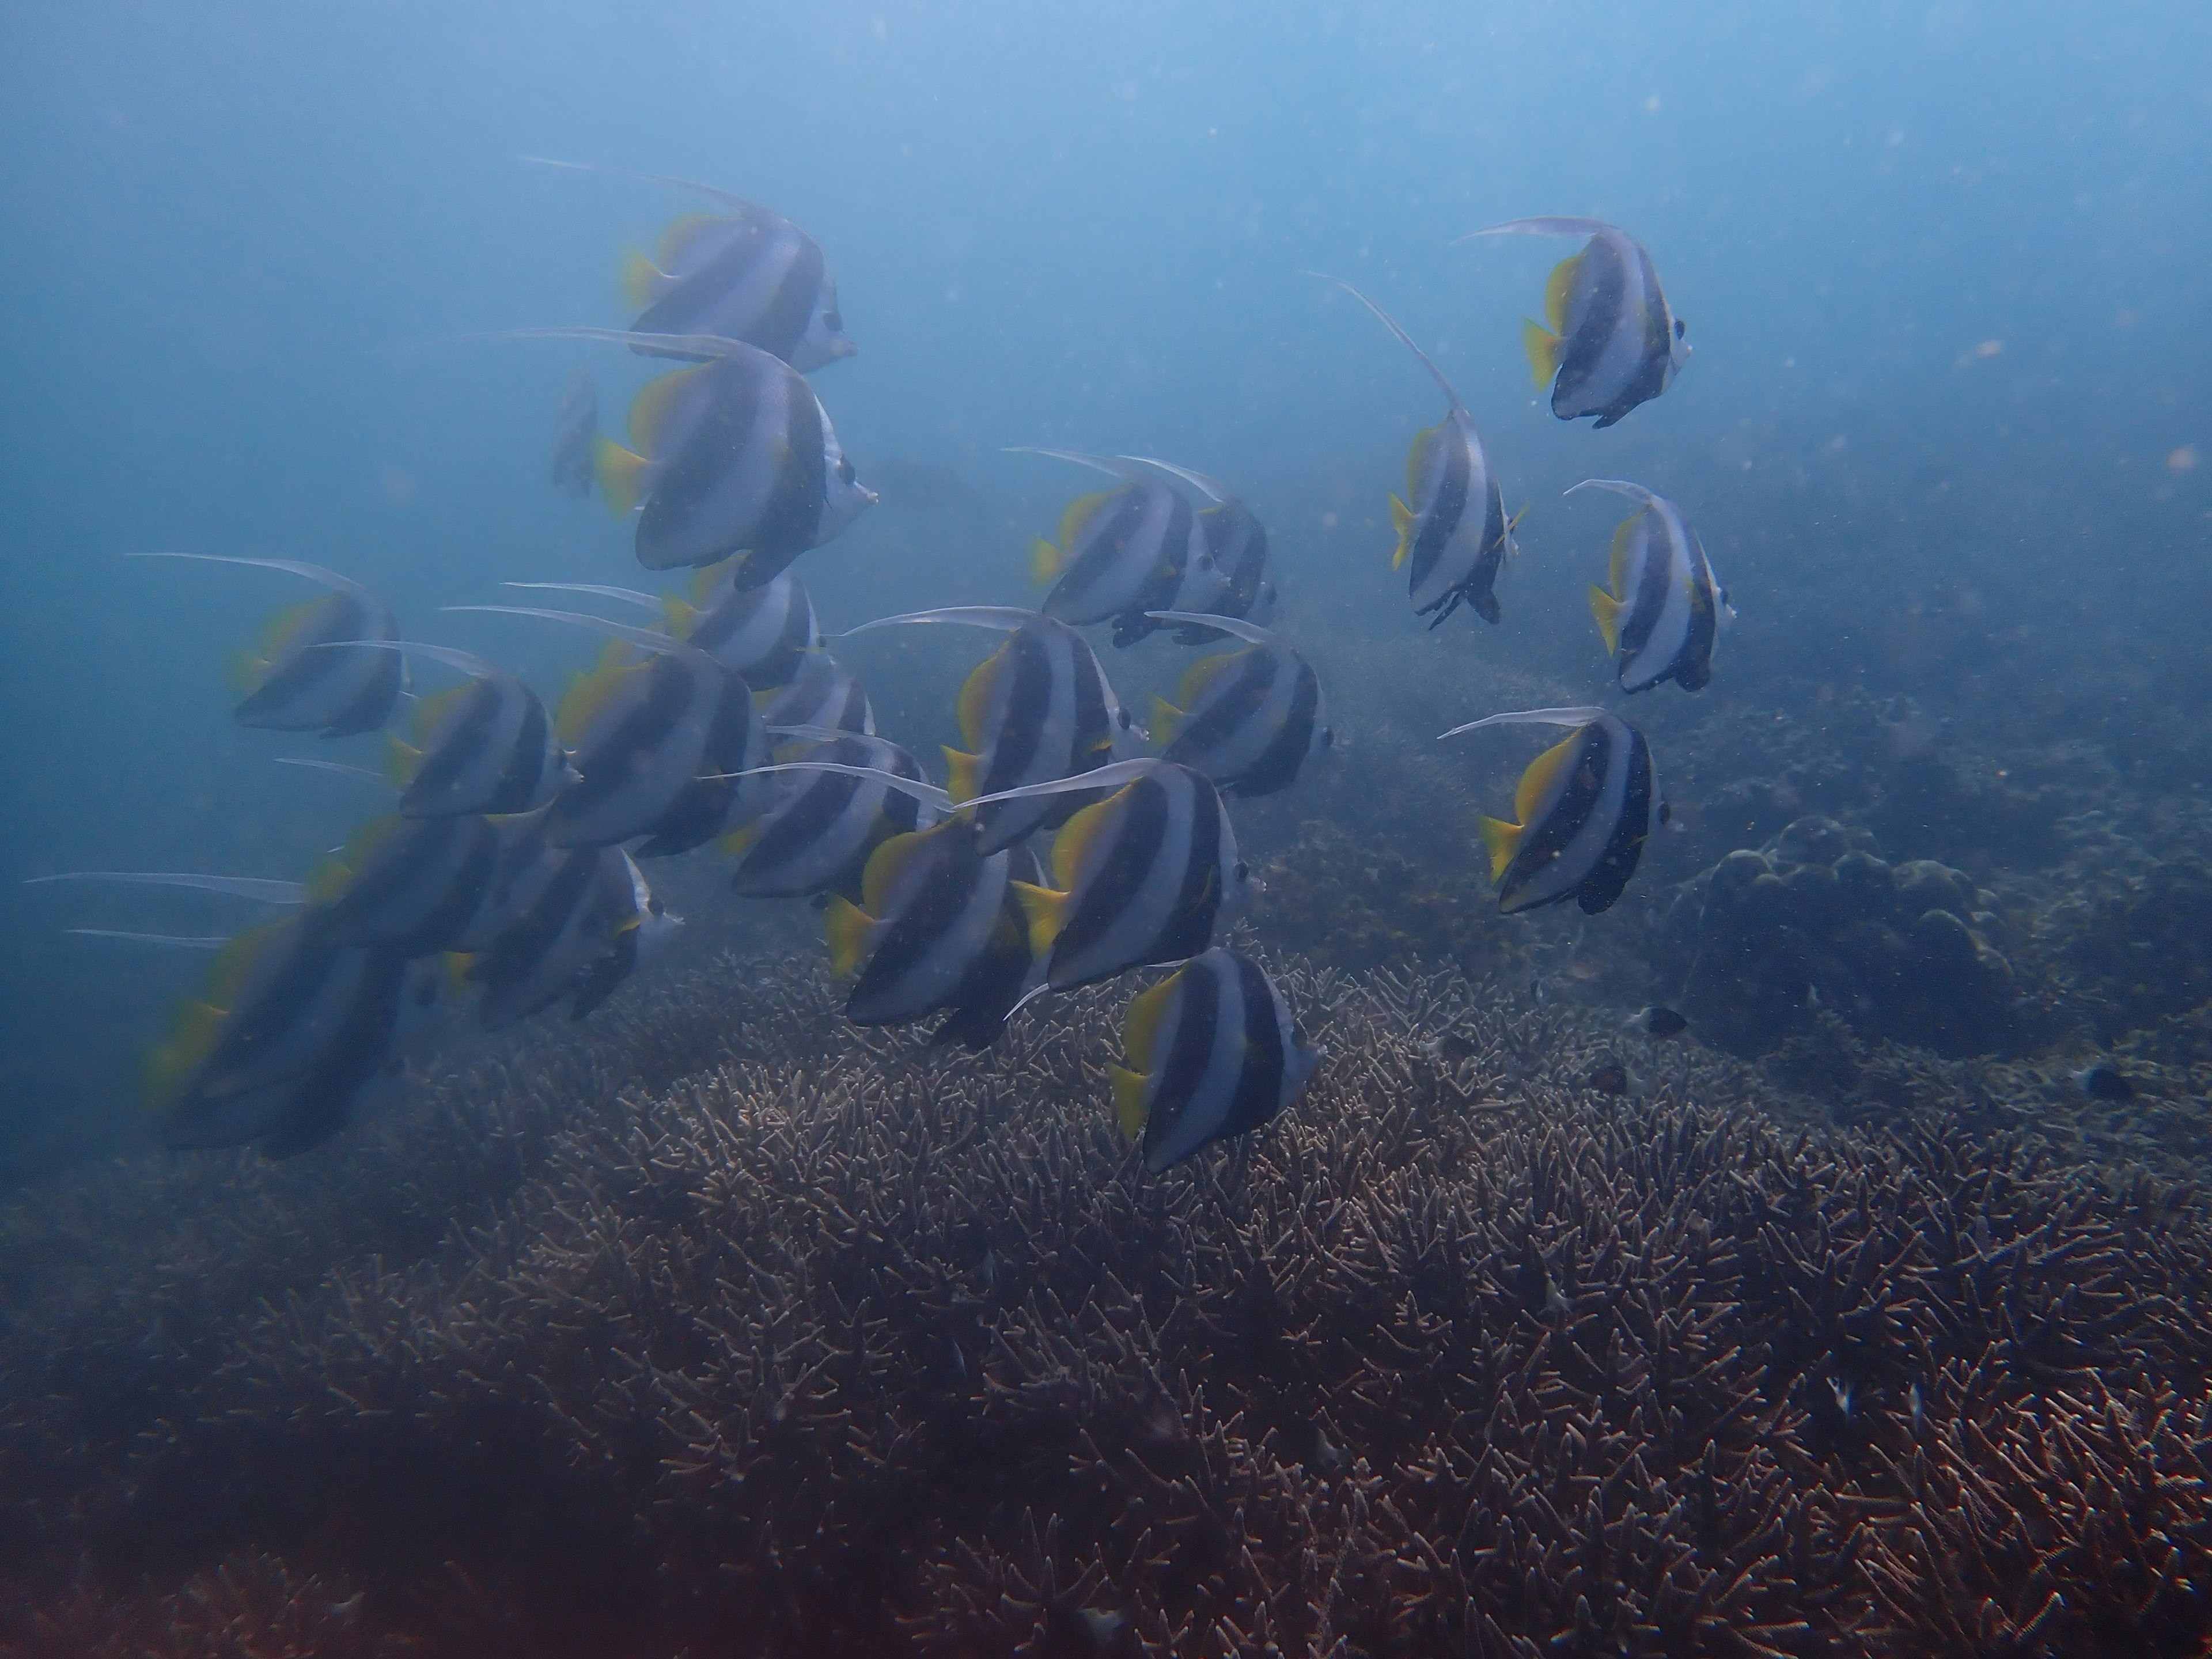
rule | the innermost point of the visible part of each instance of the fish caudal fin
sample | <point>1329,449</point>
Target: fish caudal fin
<point>621,476</point>
<point>1543,349</point>
<point>846,926</point>
<point>1607,610</point>
<point>1503,839</point>
<point>642,280</point>
<point>1129,1109</point>
<point>1046,910</point>
<point>964,778</point>
<point>1045,561</point>
<point>1401,520</point>
<point>1166,717</point>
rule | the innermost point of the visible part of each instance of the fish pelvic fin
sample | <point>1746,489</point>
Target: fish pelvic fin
<point>1607,610</point>
<point>965,778</point>
<point>1130,1109</point>
<point>846,926</point>
<point>1166,717</point>
<point>1401,520</point>
<point>1503,839</point>
<point>1045,562</point>
<point>621,476</point>
<point>1047,908</point>
<point>1543,349</point>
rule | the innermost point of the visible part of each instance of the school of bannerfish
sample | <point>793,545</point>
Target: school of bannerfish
<point>511,868</point>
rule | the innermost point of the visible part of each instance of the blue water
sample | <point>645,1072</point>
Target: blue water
<point>1943,268</point>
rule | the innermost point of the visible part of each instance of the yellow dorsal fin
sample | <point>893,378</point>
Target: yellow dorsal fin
<point>1607,610</point>
<point>1558,287</point>
<point>401,759</point>
<point>1129,1108</point>
<point>739,842</point>
<point>1080,836</point>
<point>890,860</point>
<point>1166,720</point>
<point>847,926</point>
<point>227,978</point>
<point>192,1039</point>
<point>676,240</point>
<point>707,580</point>
<point>283,631</point>
<point>964,774</point>
<point>1541,780</point>
<point>588,695</point>
<point>243,672</point>
<point>1203,673</point>
<point>331,877</point>
<point>1078,514</point>
<point>642,280</point>
<point>975,697</point>
<point>1416,457</point>
<point>678,615</point>
<point>649,411</point>
<point>1141,1030</point>
<point>431,712</point>
<point>1046,911</point>
<point>621,476</point>
<point>1543,349</point>
<point>1503,839</point>
<point>1044,562</point>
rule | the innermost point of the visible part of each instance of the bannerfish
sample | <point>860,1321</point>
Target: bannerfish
<point>484,746</point>
<point>818,834</point>
<point>289,1027</point>
<point>1148,875</point>
<point>1662,614</point>
<point>1038,709</point>
<point>1613,342</point>
<point>581,936</point>
<point>762,633</point>
<point>287,684</point>
<point>1249,719</point>
<point>820,692</point>
<point>576,431</point>
<point>1236,543</point>
<point>1213,1052</point>
<point>747,274</point>
<point>1454,537</point>
<point>654,745</point>
<point>406,884</point>
<point>937,925</point>
<point>1585,806</point>
<point>1121,552</point>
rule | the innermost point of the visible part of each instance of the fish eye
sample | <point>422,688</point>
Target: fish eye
<point>1243,870</point>
<point>844,470</point>
<point>654,907</point>
<point>1681,328</point>
<point>1125,718</point>
<point>1666,812</point>
<point>835,322</point>
<point>1327,735</point>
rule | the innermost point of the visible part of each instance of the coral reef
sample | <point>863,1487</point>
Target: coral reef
<point>1815,919</point>
<point>831,1343</point>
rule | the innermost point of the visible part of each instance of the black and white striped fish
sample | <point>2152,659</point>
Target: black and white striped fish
<point>1585,808</point>
<point>304,676</point>
<point>654,744</point>
<point>1453,533</point>
<point>817,835</point>
<point>275,1048</point>
<point>1613,342</point>
<point>484,746</point>
<point>1121,552</point>
<point>1150,874</point>
<point>1213,1052</point>
<point>938,926</point>
<point>762,633</point>
<point>589,916</point>
<point>820,692</point>
<point>1249,719</point>
<point>1664,611</point>
<point>745,274</point>
<point>1236,543</point>
<point>406,884</point>
<point>1037,709</point>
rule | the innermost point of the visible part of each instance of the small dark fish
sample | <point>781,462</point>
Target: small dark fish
<point>305,675</point>
<point>1663,611</point>
<point>1613,342</point>
<point>1213,1052</point>
<point>1585,808</point>
<point>1610,1079</point>
<point>575,432</point>
<point>1453,533</point>
<point>2105,1082</point>
<point>1658,1022</point>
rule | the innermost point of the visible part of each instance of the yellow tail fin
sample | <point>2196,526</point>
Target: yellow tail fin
<point>1044,563</point>
<point>1503,839</point>
<point>1165,718</point>
<point>1046,910</point>
<point>1543,349</point>
<point>1128,1101</point>
<point>621,475</point>
<point>1401,520</point>
<point>965,780</point>
<point>846,926</point>
<point>1607,610</point>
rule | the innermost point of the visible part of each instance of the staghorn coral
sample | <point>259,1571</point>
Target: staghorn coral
<point>841,1345</point>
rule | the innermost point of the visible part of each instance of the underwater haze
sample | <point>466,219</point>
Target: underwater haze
<point>1929,856</point>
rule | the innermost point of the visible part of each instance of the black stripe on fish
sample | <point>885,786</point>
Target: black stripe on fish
<point>417,888</point>
<point>735,741</point>
<point>607,762</point>
<point>1179,1073</point>
<point>1654,582</point>
<point>1139,831</point>
<point>1441,517</point>
<point>459,752</point>
<point>1260,1076</point>
<point>1624,846</point>
<point>1278,768</point>
<point>1580,794</point>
